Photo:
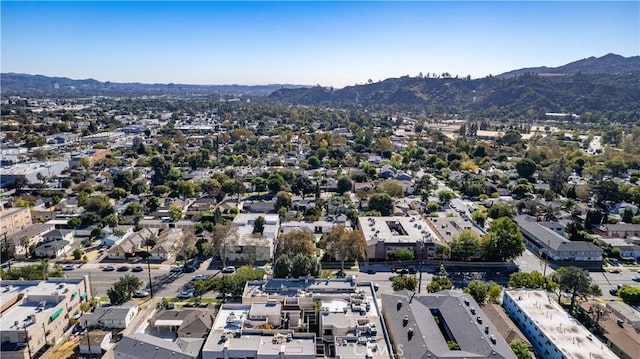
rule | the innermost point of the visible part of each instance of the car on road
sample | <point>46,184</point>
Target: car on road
<point>138,269</point>
<point>69,267</point>
<point>636,278</point>
<point>614,270</point>
<point>140,294</point>
<point>123,268</point>
<point>177,269</point>
<point>229,269</point>
<point>199,277</point>
<point>404,270</point>
<point>375,286</point>
<point>614,290</point>
<point>184,295</point>
<point>189,269</point>
<point>109,268</point>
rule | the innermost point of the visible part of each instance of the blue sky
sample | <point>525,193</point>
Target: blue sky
<point>327,43</point>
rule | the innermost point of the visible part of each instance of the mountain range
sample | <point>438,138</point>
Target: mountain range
<point>607,83</point>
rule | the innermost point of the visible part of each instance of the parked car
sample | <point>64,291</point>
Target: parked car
<point>615,270</point>
<point>109,268</point>
<point>140,294</point>
<point>229,269</point>
<point>177,269</point>
<point>69,267</point>
<point>189,269</point>
<point>137,269</point>
<point>184,295</point>
<point>123,268</point>
<point>199,277</point>
<point>636,278</point>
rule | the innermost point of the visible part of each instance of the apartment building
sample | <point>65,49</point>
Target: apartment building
<point>36,313</point>
<point>13,220</point>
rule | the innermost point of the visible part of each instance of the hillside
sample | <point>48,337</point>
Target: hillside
<point>608,83</point>
<point>39,85</point>
<point>607,64</point>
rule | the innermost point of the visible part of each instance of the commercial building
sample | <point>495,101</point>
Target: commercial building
<point>302,318</point>
<point>36,313</point>
<point>383,236</point>
<point>13,220</point>
<point>446,324</point>
<point>550,329</point>
<point>544,239</point>
<point>30,171</point>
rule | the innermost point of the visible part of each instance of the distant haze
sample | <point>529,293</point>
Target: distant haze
<point>327,43</point>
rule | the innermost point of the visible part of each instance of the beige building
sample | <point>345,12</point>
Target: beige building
<point>36,313</point>
<point>13,220</point>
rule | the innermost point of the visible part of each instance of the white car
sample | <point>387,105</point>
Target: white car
<point>185,295</point>
<point>229,269</point>
<point>69,267</point>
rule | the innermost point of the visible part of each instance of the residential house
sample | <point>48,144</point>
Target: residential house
<point>132,244</point>
<point>59,235</point>
<point>186,323</point>
<point>53,249</point>
<point>34,233</point>
<point>168,239</point>
<point>254,246</point>
<point>620,230</point>
<point>95,342</point>
<point>110,317</point>
<point>113,236</point>
<point>145,346</point>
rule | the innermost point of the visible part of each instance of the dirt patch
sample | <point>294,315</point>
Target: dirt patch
<point>66,349</point>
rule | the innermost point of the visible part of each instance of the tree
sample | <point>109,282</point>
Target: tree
<point>382,203</point>
<point>402,282</point>
<point>258,225</point>
<point>606,191</point>
<point>282,266</point>
<point>297,241</point>
<point>574,281</point>
<point>504,240</point>
<point>404,254</point>
<point>478,290</point>
<point>494,293</point>
<point>391,187</point>
<point>344,184</point>
<point>629,294</point>
<point>445,196</point>
<point>175,213</point>
<point>520,349</point>
<point>480,217</point>
<point>118,193</point>
<point>466,245</point>
<point>314,162</point>
<point>123,179</point>
<point>526,167</point>
<point>439,283</point>
<point>225,236</point>
<point>77,253</point>
<point>283,200</point>
<point>123,289</point>
<point>99,205</point>
<point>596,313</point>
<point>499,210</point>
<point>185,189</point>
<point>528,280</point>
<point>276,183</point>
<point>303,265</point>
<point>344,244</point>
<point>160,168</point>
<point>153,203</point>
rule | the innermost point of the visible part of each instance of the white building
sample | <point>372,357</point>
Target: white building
<point>385,235</point>
<point>111,317</point>
<point>551,330</point>
<point>252,246</point>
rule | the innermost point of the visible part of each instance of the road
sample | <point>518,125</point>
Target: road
<point>607,280</point>
<point>165,282</point>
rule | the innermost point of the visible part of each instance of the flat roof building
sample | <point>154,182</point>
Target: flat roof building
<point>13,220</point>
<point>551,330</point>
<point>383,236</point>
<point>36,313</point>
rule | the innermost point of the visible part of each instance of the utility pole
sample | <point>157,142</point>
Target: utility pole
<point>26,338</point>
<point>149,270</point>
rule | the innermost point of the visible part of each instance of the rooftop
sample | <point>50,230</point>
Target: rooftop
<point>396,229</point>
<point>422,325</point>
<point>297,287</point>
<point>566,333</point>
